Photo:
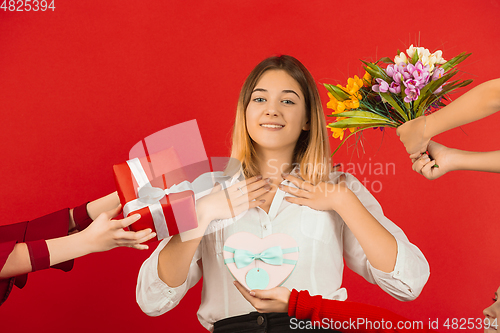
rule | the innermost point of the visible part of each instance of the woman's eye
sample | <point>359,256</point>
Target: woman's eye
<point>287,101</point>
<point>259,99</point>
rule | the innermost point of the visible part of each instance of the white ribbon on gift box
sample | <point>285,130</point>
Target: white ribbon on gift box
<point>149,196</point>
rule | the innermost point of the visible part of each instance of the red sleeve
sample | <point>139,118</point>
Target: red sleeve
<point>348,314</point>
<point>50,226</point>
<point>9,236</point>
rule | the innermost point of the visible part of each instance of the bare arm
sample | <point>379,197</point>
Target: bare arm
<point>475,104</point>
<point>450,159</point>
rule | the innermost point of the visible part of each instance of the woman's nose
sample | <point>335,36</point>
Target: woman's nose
<point>271,112</point>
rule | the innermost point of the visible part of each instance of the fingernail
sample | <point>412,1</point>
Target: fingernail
<point>259,177</point>
<point>267,187</point>
<point>263,201</point>
<point>137,216</point>
<point>280,185</point>
<point>285,175</point>
<point>336,165</point>
<point>268,180</point>
<point>252,293</point>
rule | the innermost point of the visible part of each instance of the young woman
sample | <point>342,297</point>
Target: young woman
<point>44,242</point>
<point>280,138</point>
<point>475,104</point>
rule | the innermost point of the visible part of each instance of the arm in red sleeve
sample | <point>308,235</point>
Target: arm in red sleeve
<point>9,236</point>
<point>50,226</point>
<point>303,306</point>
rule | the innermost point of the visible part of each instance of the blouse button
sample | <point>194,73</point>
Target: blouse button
<point>265,227</point>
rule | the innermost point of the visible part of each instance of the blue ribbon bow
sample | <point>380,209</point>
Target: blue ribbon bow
<point>272,256</point>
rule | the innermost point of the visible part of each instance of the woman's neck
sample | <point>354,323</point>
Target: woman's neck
<point>273,163</point>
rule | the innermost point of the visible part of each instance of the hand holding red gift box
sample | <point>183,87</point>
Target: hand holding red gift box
<point>155,187</point>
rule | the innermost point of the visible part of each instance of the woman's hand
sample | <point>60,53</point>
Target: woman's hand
<point>412,135</point>
<point>442,157</point>
<point>264,301</point>
<point>230,202</point>
<point>105,233</point>
<point>323,196</point>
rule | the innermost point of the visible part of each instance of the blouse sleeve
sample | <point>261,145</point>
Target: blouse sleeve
<point>349,316</point>
<point>411,271</point>
<point>153,295</point>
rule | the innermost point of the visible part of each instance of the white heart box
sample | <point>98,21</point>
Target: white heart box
<point>260,263</point>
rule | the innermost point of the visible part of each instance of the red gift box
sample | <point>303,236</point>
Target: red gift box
<point>155,186</point>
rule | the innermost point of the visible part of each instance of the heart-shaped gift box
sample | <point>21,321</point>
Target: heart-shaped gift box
<point>260,263</point>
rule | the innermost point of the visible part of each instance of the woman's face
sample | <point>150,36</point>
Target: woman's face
<point>492,314</point>
<point>276,114</point>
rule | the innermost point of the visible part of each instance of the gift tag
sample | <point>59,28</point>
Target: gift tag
<point>257,278</point>
<point>260,263</point>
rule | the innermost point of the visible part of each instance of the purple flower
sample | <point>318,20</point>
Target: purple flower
<point>398,78</point>
<point>382,86</point>
<point>395,88</point>
<point>438,73</point>
<point>411,94</point>
<point>412,84</point>
<point>419,73</point>
<point>390,70</point>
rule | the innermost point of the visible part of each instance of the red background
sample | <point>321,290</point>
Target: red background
<point>79,86</point>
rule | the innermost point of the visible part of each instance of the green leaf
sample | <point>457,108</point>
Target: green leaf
<point>455,61</point>
<point>362,114</point>
<point>394,104</point>
<point>414,59</point>
<point>357,122</point>
<point>338,93</point>
<point>386,60</point>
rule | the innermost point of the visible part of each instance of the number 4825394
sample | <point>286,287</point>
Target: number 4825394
<point>27,5</point>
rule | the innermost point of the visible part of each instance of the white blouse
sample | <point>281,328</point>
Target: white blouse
<point>323,238</point>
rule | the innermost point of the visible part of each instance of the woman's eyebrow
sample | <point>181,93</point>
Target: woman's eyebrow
<point>286,91</point>
<point>291,91</point>
<point>259,89</point>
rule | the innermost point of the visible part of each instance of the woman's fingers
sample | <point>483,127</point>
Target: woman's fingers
<point>427,170</point>
<point>295,191</point>
<point>420,162</point>
<point>302,184</point>
<point>129,220</point>
<point>255,186</point>
<point>240,187</point>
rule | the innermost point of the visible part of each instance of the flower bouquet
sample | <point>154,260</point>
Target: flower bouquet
<point>414,84</point>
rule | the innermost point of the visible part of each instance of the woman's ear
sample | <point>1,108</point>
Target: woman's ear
<point>306,127</point>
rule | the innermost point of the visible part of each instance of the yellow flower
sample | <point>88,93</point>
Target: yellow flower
<point>338,132</point>
<point>367,79</point>
<point>352,87</point>
<point>335,105</point>
<point>352,103</point>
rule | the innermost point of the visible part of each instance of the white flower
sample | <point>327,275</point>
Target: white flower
<point>400,58</point>
<point>437,57</point>
<point>411,51</point>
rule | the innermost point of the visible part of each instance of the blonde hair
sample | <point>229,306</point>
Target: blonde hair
<point>312,151</point>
